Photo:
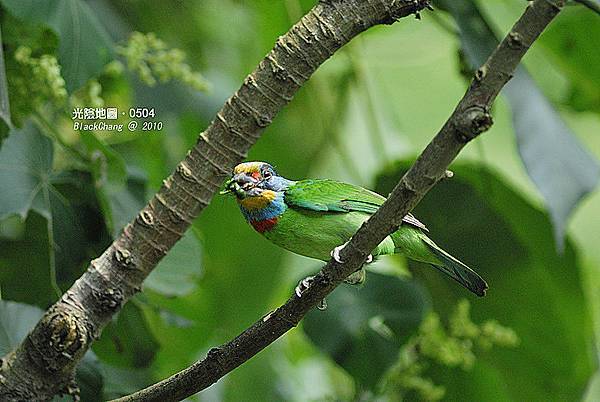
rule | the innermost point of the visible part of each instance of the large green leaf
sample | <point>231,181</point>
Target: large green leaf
<point>124,381</point>
<point>84,48</point>
<point>17,319</point>
<point>27,255</point>
<point>177,274</point>
<point>127,201</point>
<point>110,179</point>
<point>121,196</point>
<point>363,328</point>
<point>25,167</point>
<point>127,340</point>
<point>121,192</point>
<point>30,184</point>
<point>562,170</point>
<point>533,289</point>
<point>567,42</point>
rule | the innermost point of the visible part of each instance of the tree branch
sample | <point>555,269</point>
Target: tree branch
<point>470,118</point>
<point>44,363</point>
<point>593,5</point>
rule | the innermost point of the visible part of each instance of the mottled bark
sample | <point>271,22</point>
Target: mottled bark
<point>44,363</point>
<point>470,118</point>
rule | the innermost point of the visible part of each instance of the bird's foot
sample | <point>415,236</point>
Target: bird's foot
<point>303,286</point>
<point>335,253</point>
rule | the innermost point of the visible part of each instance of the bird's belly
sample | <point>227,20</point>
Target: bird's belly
<point>315,234</point>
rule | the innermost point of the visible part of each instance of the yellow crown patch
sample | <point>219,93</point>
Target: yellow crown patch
<point>247,167</point>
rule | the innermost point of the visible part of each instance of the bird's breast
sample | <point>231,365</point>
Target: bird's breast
<point>264,225</point>
<point>263,212</point>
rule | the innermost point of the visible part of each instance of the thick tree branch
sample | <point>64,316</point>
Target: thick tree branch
<point>45,361</point>
<point>470,118</point>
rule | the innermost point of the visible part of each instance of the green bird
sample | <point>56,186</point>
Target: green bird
<point>316,218</point>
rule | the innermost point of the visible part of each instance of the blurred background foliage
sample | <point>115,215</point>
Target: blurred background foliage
<point>521,207</point>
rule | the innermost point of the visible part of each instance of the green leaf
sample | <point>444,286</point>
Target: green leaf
<point>89,372</point>
<point>17,319</point>
<point>127,341</point>
<point>110,179</point>
<point>12,228</point>
<point>84,48</point>
<point>575,55</point>
<point>121,193</point>
<point>124,381</point>
<point>14,262</point>
<point>533,289</point>
<point>127,202</point>
<point>107,165</point>
<point>174,320</point>
<point>362,329</point>
<point>25,166</point>
<point>26,173</point>
<point>562,170</point>
<point>178,272</point>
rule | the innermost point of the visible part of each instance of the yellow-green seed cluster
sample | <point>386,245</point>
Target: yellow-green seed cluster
<point>154,62</point>
<point>90,95</point>
<point>39,81</point>
<point>453,345</point>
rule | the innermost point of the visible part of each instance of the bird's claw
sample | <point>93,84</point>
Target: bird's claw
<point>303,285</point>
<point>335,253</point>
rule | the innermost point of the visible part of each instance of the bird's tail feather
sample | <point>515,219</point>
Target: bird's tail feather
<point>457,270</point>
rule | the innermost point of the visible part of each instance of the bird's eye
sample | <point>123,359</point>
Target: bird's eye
<point>267,174</point>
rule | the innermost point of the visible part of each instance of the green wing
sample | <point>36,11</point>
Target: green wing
<point>335,196</point>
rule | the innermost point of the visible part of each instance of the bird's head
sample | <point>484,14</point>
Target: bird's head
<point>254,179</point>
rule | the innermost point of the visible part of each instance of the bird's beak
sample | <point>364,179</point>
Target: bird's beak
<point>239,184</point>
<point>226,189</point>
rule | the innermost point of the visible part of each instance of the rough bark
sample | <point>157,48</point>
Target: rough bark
<point>470,118</point>
<point>44,363</point>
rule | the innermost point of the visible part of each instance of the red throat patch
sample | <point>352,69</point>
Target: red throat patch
<point>264,225</point>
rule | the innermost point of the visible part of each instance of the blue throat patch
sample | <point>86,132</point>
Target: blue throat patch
<point>274,209</point>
